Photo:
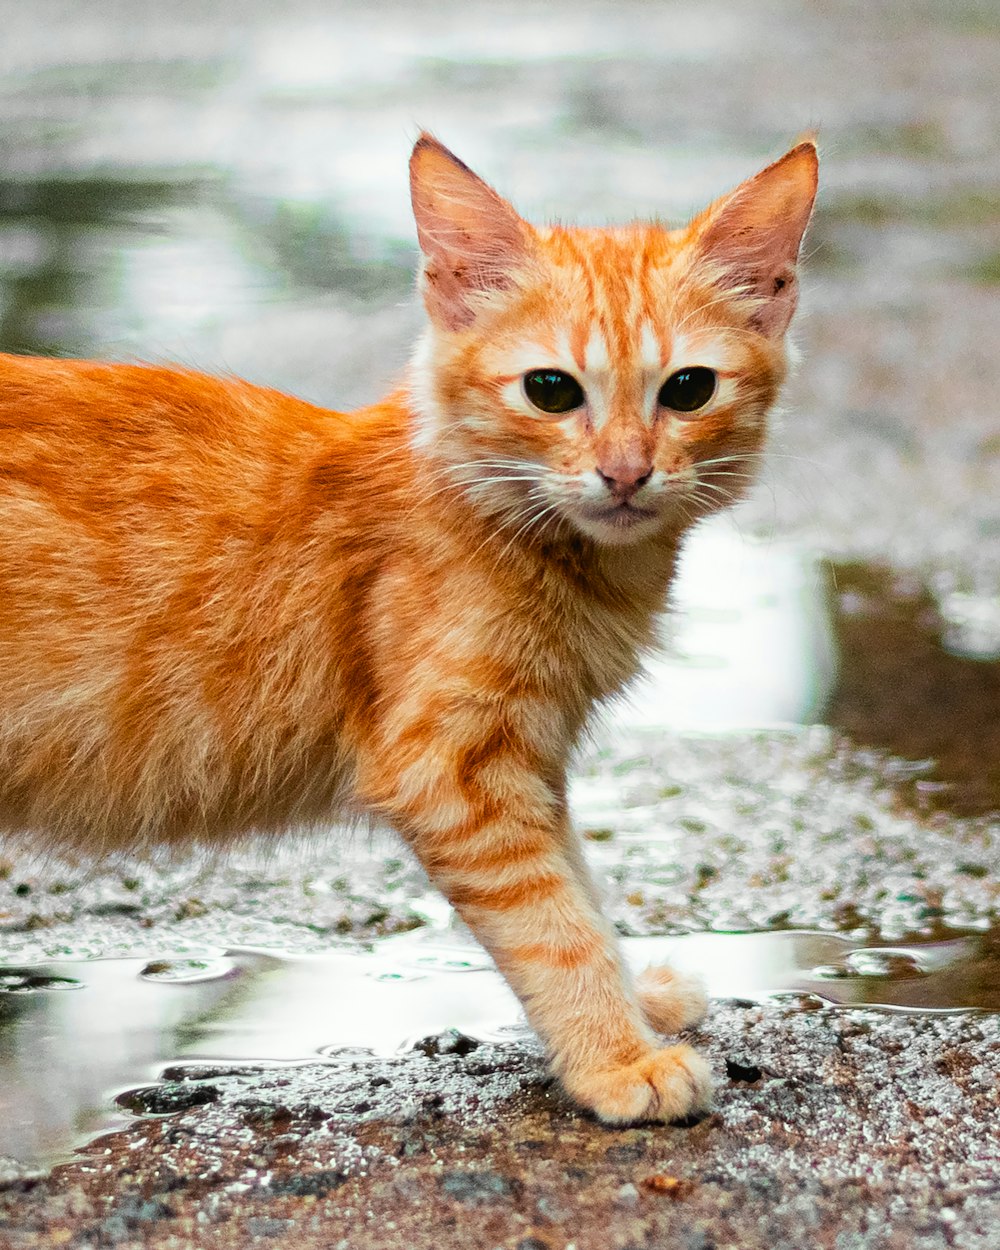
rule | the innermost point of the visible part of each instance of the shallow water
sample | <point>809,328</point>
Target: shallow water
<point>76,1034</point>
<point>764,636</point>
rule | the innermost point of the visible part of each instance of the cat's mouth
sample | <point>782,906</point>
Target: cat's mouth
<point>621,514</point>
<point>616,522</point>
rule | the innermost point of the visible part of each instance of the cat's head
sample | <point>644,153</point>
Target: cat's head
<point>615,380</point>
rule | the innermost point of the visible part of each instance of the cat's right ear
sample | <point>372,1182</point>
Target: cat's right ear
<point>472,240</point>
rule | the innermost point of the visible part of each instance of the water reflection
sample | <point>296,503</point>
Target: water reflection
<point>61,1048</point>
<point>67,1046</point>
<point>748,643</point>
<point>763,635</point>
<point>911,682</point>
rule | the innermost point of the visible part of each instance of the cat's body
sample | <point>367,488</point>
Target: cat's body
<point>223,610</point>
<point>216,601</point>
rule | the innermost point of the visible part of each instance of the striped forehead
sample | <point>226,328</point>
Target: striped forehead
<point>612,323</point>
<point>615,382</point>
<point>615,368</point>
<point>587,351</point>
<point>597,351</point>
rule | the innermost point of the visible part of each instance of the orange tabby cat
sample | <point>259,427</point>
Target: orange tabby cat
<point>223,610</point>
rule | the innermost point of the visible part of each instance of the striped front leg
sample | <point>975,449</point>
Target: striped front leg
<point>493,834</point>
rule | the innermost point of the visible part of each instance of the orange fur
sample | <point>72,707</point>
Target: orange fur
<point>223,610</point>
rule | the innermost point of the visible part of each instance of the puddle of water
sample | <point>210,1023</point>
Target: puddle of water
<point>748,640</point>
<point>73,1034</point>
<point>764,636</point>
<point>915,680</point>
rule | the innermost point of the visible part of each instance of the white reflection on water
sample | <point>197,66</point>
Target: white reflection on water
<point>750,643</point>
<point>63,1049</point>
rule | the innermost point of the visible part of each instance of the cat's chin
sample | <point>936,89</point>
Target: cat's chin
<point>619,526</point>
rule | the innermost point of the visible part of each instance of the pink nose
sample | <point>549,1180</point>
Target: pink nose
<point>623,477</point>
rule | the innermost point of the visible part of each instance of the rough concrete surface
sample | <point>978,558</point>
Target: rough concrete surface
<point>830,1129</point>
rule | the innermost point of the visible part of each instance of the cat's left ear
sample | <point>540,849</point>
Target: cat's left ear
<point>755,233</point>
<point>472,240</point>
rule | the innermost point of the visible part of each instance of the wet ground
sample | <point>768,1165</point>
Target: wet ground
<point>810,784</point>
<point>830,1129</point>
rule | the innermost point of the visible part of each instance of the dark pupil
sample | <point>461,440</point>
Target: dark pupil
<point>688,389</point>
<point>553,391</point>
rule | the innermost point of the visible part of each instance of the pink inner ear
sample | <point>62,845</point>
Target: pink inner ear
<point>472,239</point>
<point>756,231</point>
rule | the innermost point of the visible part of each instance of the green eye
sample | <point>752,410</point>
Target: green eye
<point>688,389</point>
<point>552,391</point>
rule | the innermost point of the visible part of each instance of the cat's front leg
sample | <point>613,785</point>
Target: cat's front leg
<point>524,902</point>
<point>670,1000</point>
<point>494,837</point>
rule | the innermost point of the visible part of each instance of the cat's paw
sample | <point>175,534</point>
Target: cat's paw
<point>670,1000</point>
<point>662,1085</point>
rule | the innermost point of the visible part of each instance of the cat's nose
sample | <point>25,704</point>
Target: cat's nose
<point>623,477</point>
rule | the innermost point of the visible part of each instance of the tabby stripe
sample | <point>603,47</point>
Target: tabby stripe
<point>457,858</point>
<point>507,897</point>
<point>554,956</point>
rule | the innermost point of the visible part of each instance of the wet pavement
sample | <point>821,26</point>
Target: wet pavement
<point>809,783</point>
<point>75,1030</point>
<point>830,1129</point>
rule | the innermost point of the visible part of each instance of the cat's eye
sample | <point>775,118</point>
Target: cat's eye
<point>552,391</point>
<point>687,390</point>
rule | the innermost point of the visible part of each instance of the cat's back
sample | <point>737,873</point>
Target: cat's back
<point>96,412</point>
<point>172,548</point>
<point>136,448</point>
<point>42,394</point>
<point>134,492</point>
